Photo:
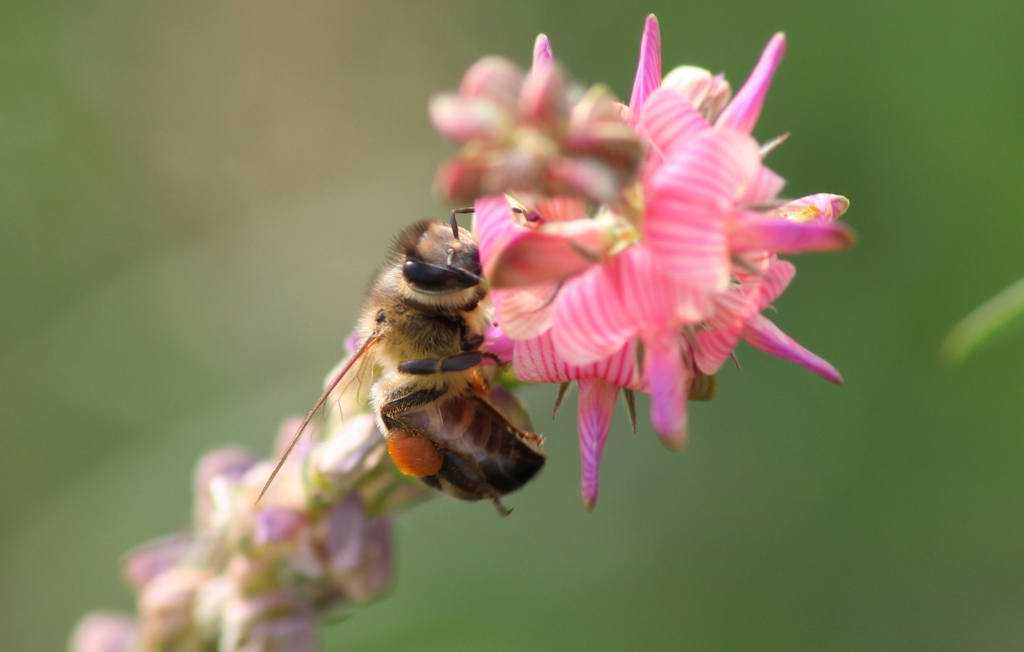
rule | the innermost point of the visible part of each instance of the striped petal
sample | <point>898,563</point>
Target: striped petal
<point>669,121</point>
<point>714,347</point>
<point>493,227</point>
<point>590,322</point>
<point>742,113</point>
<point>782,236</point>
<point>531,256</point>
<point>653,299</point>
<point>763,334</point>
<point>774,283</point>
<point>526,312</point>
<point>668,377</point>
<point>764,188</point>
<point>595,409</point>
<point>536,361</point>
<point>691,195</point>
<point>648,71</point>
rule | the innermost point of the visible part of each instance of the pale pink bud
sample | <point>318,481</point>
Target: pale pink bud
<point>496,79</point>
<point>105,631</point>
<point>272,622</point>
<point>277,525</point>
<point>374,574</point>
<point>589,177</point>
<point>165,607</point>
<point>708,93</point>
<point>462,119</point>
<point>150,559</point>
<point>543,100</point>
<point>228,463</point>
<point>345,539</point>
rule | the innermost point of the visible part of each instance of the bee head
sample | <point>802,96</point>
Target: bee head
<point>439,258</point>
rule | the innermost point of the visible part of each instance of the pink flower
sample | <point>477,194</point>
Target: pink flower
<point>682,262</point>
<point>524,132</point>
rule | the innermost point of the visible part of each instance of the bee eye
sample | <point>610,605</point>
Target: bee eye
<point>433,279</point>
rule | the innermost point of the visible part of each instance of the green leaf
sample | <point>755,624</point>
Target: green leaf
<point>984,324</point>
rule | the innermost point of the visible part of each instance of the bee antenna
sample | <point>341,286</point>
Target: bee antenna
<point>455,222</point>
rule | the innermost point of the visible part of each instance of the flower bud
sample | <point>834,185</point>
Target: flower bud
<point>706,92</point>
<point>165,607</point>
<point>496,79</point>
<point>150,559</point>
<point>105,631</point>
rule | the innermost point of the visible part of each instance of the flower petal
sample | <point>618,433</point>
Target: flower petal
<point>784,236</point>
<point>690,196</point>
<point>653,299</point>
<point>763,334</point>
<point>595,408</point>
<point>668,377</point>
<point>714,347</point>
<point>536,361</point>
<point>742,113</point>
<point>531,257</point>
<point>542,55</point>
<point>822,206</point>
<point>764,188</point>
<point>669,121</point>
<point>774,283</point>
<point>648,70</point>
<point>528,311</point>
<point>493,227</point>
<point>462,119</point>
<point>494,78</point>
<point>590,323</point>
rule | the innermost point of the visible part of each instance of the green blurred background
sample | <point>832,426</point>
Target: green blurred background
<point>193,194</point>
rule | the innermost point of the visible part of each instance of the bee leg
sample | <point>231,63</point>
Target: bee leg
<point>425,366</point>
<point>460,476</point>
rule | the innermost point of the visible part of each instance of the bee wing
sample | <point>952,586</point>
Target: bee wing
<point>365,348</point>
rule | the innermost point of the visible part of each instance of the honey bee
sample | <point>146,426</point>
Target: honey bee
<point>422,325</point>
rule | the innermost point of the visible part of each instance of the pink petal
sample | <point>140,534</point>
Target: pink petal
<point>590,323</point>
<point>669,121</point>
<point>493,227</point>
<point>764,188</point>
<point>536,361</point>
<point>498,343</point>
<point>494,78</point>
<point>668,377</point>
<point>561,208</point>
<point>150,559</point>
<point>595,408</point>
<point>788,237</point>
<point>543,99</point>
<point>531,257</point>
<point>763,334</point>
<point>714,347</point>
<point>774,283</point>
<point>691,195</point>
<point>822,206</point>
<point>542,55</point>
<point>462,119</point>
<point>105,631</point>
<point>648,71</point>
<point>588,177</point>
<point>528,311</point>
<point>653,299</point>
<point>742,113</point>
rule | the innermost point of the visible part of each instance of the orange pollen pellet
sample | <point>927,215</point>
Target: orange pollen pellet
<point>413,454</point>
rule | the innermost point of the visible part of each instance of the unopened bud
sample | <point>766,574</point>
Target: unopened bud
<point>706,92</point>
<point>105,631</point>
